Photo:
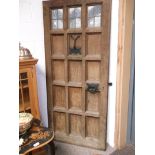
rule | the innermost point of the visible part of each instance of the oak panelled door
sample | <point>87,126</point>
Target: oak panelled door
<point>77,34</point>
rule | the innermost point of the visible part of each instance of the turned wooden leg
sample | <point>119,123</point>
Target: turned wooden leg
<point>52,147</point>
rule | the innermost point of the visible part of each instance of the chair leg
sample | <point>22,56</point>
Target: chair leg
<point>52,148</point>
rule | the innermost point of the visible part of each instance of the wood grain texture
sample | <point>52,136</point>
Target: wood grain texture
<point>47,42</point>
<point>58,70</point>
<point>75,98</point>
<point>93,71</point>
<point>59,122</point>
<point>59,96</point>
<point>92,127</point>
<point>126,8</point>
<point>72,72</point>
<point>93,43</point>
<point>28,88</point>
<point>92,102</point>
<point>75,125</point>
<point>57,43</point>
<point>75,71</point>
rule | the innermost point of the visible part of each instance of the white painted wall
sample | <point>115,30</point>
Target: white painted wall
<point>112,72</point>
<point>32,36</point>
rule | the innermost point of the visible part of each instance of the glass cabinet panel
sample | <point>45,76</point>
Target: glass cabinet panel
<point>24,95</point>
<point>21,108</point>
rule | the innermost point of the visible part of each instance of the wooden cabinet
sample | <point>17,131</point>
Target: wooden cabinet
<point>28,97</point>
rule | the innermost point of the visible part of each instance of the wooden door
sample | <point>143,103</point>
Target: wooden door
<point>77,36</point>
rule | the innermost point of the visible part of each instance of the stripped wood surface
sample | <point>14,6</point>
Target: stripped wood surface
<point>75,58</point>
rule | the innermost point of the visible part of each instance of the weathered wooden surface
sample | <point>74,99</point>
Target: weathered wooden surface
<point>77,116</point>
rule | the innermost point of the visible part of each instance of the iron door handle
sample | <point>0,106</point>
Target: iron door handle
<point>92,87</point>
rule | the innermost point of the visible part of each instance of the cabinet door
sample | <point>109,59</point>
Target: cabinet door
<point>27,97</point>
<point>24,91</point>
<point>77,58</point>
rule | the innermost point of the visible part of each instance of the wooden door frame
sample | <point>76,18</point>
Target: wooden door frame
<point>126,9</point>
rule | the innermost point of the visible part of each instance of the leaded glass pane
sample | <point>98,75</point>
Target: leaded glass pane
<point>78,23</point>
<point>97,21</point>
<point>60,14</point>
<point>54,14</point>
<point>97,10</point>
<point>75,17</point>
<point>55,25</point>
<point>77,12</point>
<point>57,18</point>
<point>90,11</point>
<point>94,16</point>
<point>73,23</point>
<point>91,22</point>
<point>60,24</point>
<point>71,13</point>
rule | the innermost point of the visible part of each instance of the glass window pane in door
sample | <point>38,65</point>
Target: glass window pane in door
<point>78,23</point>
<point>60,24</point>
<point>77,12</point>
<point>91,22</point>
<point>55,24</point>
<point>75,17</point>
<point>72,23</point>
<point>54,14</point>
<point>57,18</point>
<point>60,14</point>
<point>97,22</point>
<point>90,11</point>
<point>71,13</point>
<point>97,10</point>
<point>94,16</point>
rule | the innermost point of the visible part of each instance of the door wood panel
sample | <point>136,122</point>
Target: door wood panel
<point>77,66</point>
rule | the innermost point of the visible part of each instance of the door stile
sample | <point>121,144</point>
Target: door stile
<point>46,14</point>
<point>106,48</point>
<point>83,70</point>
<point>105,61</point>
<point>66,68</point>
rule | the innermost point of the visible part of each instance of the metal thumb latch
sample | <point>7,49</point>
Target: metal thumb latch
<point>92,87</point>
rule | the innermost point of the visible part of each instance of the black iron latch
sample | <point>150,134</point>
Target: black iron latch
<point>93,87</point>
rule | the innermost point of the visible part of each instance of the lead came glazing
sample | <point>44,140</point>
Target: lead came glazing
<point>94,16</point>
<point>75,17</point>
<point>57,19</point>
